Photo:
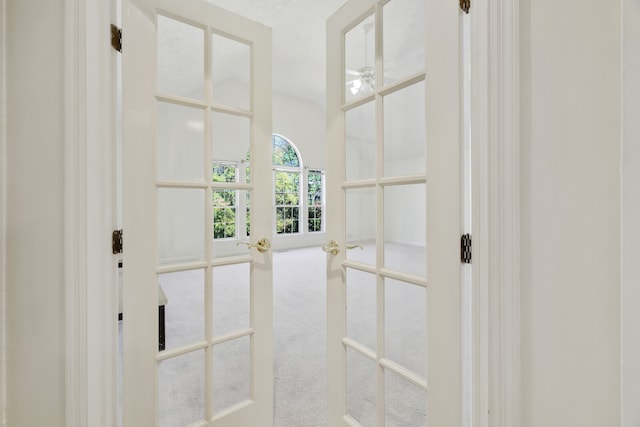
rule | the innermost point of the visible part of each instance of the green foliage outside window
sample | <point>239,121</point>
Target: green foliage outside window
<point>287,200</point>
<point>224,203</point>
<point>314,200</point>
<point>283,153</point>
<point>287,194</point>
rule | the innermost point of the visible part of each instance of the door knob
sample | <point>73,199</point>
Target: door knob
<point>333,248</point>
<point>263,245</point>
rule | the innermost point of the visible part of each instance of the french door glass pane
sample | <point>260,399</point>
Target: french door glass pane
<point>180,59</point>
<point>361,224</point>
<point>230,209</point>
<point>404,32</point>
<point>231,373</point>
<point>360,159</point>
<point>360,45</point>
<point>224,213</point>
<point>180,133</point>
<point>180,225</point>
<point>361,388</point>
<point>315,200</point>
<point>405,128</point>
<point>361,307</point>
<point>184,311</point>
<point>405,403</point>
<point>231,136</point>
<point>181,390</point>
<point>231,298</point>
<point>231,72</point>
<point>405,325</point>
<point>404,228</point>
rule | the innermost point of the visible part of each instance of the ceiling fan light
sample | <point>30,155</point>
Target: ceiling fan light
<point>355,86</point>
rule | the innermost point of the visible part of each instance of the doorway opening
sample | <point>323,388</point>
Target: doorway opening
<point>299,269</point>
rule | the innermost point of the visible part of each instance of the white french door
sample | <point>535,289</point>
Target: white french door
<point>196,91</point>
<point>394,306</point>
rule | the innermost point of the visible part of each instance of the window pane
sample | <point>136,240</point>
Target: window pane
<point>283,153</point>
<point>361,307</point>
<point>287,220</point>
<point>181,390</point>
<point>231,373</point>
<point>229,208</point>
<point>182,293</point>
<point>180,225</point>
<point>405,137</point>
<point>404,38</point>
<point>224,172</point>
<point>315,200</point>
<point>405,404</point>
<point>180,58</point>
<point>361,224</point>
<point>404,228</point>
<point>361,388</point>
<point>287,201</point>
<point>405,325</point>
<point>360,72</point>
<point>231,298</point>
<point>224,202</point>
<point>360,142</point>
<point>224,214</point>
<point>180,142</point>
<point>231,71</point>
<point>230,136</point>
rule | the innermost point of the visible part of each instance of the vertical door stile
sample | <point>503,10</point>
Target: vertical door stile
<point>380,235</point>
<point>208,215</point>
<point>443,211</point>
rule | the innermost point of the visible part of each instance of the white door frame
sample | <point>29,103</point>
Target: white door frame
<point>630,166</point>
<point>3,211</point>
<point>496,207</point>
<point>91,338</point>
<point>90,273</point>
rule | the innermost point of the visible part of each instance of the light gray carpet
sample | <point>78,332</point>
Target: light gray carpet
<point>300,368</point>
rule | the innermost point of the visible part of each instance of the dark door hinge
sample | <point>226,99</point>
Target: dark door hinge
<point>116,38</point>
<point>465,5</point>
<point>116,242</point>
<point>465,249</point>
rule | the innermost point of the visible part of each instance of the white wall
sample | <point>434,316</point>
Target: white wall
<point>304,124</point>
<point>631,215</point>
<point>300,121</point>
<point>35,214</point>
<point>570,124</point>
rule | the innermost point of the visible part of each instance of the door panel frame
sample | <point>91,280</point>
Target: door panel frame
<point>91,400</point>
<point>140,97</point>
<point>3,211</point>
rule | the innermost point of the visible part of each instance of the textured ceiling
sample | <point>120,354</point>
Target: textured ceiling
<point>298,41</point>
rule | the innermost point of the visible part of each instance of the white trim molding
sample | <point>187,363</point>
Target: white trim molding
<point>90,293</point>
<point>75,274</point>
<point>496,205</point>
<point>630,166</point>
<point>3,213</point>
<point>504,221</point>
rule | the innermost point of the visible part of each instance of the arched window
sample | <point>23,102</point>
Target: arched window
<point>298,194</point>
<point>287,170</point>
